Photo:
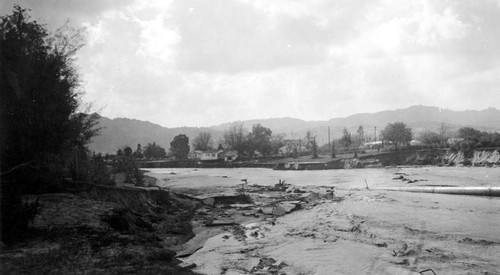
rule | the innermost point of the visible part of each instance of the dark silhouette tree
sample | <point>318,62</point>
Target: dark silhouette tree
<point>180,147</point>
<point>203,141</point>
<point>127,151</point>
<point>42,134</point>
<point>397,134</point>
<point>153,151</point>
<point>138,152</point>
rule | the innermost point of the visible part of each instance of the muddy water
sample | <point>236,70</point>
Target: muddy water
<point>343,179</point>
<point>395,232</point>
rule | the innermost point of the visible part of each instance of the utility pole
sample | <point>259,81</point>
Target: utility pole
<point>329,138</point>
<point>375,133</point>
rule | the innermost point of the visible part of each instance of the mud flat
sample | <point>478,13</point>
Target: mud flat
<point>359,231</point>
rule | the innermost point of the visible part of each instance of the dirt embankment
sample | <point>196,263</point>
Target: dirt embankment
<point>446,157</point>
<point>112,230</point>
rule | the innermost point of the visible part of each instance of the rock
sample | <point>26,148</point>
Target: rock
<point>328,195</point>
<point>313,197</point>
<point>221,223</point>
<point>288,207</point>
<point>209,201</point>
<point>279,211</point>
<point>267,210</point>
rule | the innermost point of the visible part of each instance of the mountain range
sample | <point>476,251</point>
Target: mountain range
<point>119,132</point>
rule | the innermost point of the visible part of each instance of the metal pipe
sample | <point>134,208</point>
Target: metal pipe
<point>475,191</point>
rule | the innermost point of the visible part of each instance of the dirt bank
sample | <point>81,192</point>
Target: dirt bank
<point>103,230</point>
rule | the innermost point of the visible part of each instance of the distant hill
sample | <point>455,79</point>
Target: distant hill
<point>119,132</point>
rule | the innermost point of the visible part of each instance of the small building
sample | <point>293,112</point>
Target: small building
<point>214,155</point>
<point>415,142</point>
<point>373,144</point>
<point>229,156</point>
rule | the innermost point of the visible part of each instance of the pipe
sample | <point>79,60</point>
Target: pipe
<point>475,191</point>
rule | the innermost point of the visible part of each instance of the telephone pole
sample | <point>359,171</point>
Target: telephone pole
<point>329,138</point>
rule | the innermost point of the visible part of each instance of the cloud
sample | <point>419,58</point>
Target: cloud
<point>195,62</point>
<point>231,36</point>
<point>56,12</point>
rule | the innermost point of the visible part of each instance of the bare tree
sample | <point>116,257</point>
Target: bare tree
<point>235,137</point>
<point>203,141</point>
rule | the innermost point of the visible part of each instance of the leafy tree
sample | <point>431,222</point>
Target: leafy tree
<point>180,146</point>
<point>346,139</point>
<point>203,141</point>
<point>42,134</point>
<point>469,133</point>
<point>361,135</point>
<point>476,139</point>
<point>314,148</point>
<point>127,151</point>
<point>334,151</point>
<point>430,138</point>
<point>277,141</point>
<point>138,152</point>
<point>308,139</point>
<point>153,151</point>
<point>260,139</point>
<point>398,134</point>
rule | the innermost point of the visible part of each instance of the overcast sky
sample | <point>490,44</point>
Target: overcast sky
<point>201,63</point>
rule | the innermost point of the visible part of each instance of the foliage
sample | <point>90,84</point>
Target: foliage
<point>260,139</point>
<point>314,148</point>
<point>203,141</point>
<point>430,138</point>
<point>473,139</point>
<point>346,139</point>
<point>308,139</point>
<point>138,152</point>
<point>127,151</point>
<point>397,133</point>
<point>277,141</point>
<point>153,151</point>
<point>42,135</point>
<point>127,166</point>
<point>99,172</point>
<point>361,135</point>
<point>179,146</point>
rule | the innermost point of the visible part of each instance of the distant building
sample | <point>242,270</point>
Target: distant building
<point>229,156</point>
<point>290,145</point>
<point>416,142</point>
<point>373,144</point>
<point>214,155</point>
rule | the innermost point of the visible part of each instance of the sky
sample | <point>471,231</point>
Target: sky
<point>202,63</point>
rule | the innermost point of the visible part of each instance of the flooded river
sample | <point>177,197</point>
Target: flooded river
<point>394,232</point>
